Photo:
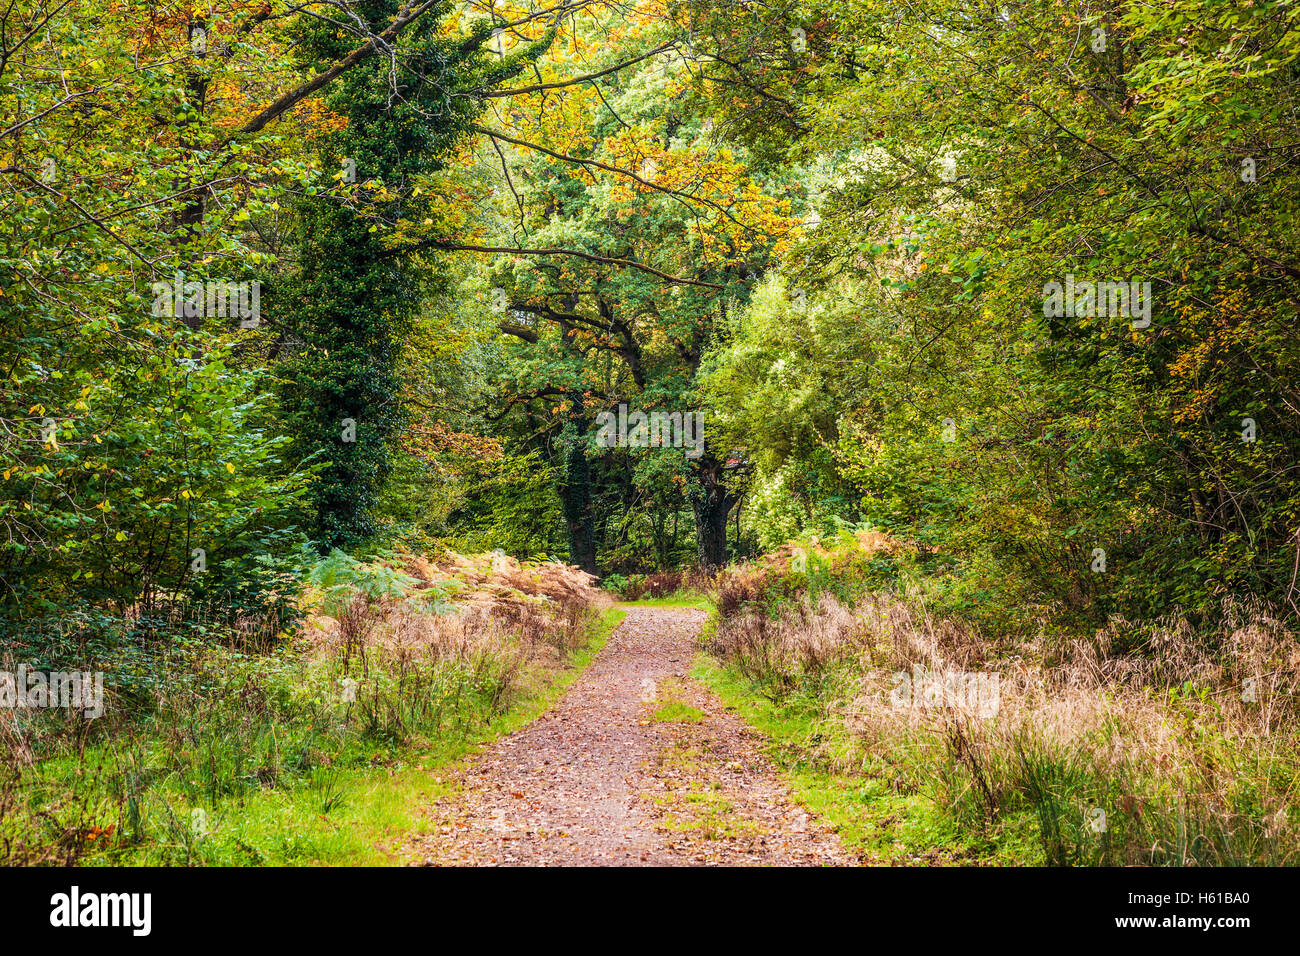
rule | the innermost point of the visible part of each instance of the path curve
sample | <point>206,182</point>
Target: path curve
<point>636,765</point>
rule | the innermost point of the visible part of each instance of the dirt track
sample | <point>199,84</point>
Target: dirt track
<point>601,780</point>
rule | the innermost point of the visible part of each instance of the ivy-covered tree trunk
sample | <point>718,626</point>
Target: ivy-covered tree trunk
<point>343,385</point>
<point>355,296</point>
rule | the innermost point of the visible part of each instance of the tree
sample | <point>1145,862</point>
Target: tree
<point>975,157</point>
<point>661,228</point>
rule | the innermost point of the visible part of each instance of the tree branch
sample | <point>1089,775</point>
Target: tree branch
<point>559,84</point>
<point>677,194</point>
<point>287,101</point>
<point>589,256</point>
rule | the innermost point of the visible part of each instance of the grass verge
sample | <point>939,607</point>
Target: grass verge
<point>340,813</point>
<point>873,818</point>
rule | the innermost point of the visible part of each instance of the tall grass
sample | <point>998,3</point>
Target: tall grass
<point>219,725</point>
<point>1153,744</point>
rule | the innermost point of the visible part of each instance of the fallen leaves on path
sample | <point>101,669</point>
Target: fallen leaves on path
<point>608,777</point>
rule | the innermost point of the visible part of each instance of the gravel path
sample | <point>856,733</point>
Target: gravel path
<point>636,765</point>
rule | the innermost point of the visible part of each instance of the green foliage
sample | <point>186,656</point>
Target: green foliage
<point>340,577</point>
<point>1007,151</point>
<point>355,295</point>
<point>584,335</point>
<point>616,583</point>
<point>131,438</point>
<point>165,480</point>
<point>512,507</point>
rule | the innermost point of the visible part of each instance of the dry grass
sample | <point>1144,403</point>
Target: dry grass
<point>539,609</point>
<point>1186,741</point>
<point>226,719</point>
<point>663,584</point>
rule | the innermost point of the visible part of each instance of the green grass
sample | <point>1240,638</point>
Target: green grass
<point>870,815</point>
<point>334,815</point>
<point>670,708</point>
<point>688,599</point>
<point>676,712</point>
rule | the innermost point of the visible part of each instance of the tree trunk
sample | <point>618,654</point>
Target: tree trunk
<point>711,509</point>
<point>711,502</point>
<point>576,498</point>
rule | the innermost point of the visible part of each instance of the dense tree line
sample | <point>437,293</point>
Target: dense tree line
<point>1014,282</point>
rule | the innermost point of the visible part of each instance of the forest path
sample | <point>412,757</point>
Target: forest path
<point>636,765</point>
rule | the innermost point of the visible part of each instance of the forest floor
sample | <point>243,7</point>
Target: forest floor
<point>636,765</point>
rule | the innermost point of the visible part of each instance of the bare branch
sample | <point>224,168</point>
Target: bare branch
<point>560,84</point>
<point>589,256</point>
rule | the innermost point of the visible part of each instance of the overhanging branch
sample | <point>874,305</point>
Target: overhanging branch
<point>683,197</point>
<point>287,101</point>
<point>589,256</point>
<point>573,81</point>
